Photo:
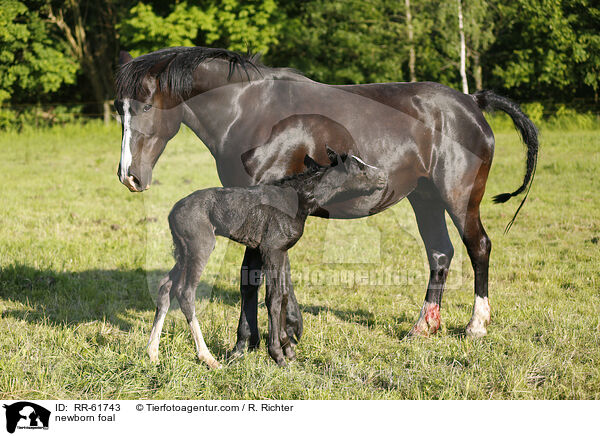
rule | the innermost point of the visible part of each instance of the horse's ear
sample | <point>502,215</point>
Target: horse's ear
<point>344,156</point>
<point>124,57</point>
<point>332,155</point>
<point>160,66</point>
<point>310,163</point>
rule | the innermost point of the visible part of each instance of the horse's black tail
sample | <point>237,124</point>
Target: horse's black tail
<point>489,101</point>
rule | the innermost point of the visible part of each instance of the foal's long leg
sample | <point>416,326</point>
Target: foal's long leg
<point>199,247</point>
<point>430,213</point>
<point>162,307</point>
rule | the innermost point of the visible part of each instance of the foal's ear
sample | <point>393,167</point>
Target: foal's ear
<point>160,66</point>
<point>124,57</point>
<point>310,163</point>
<point>332,155</point>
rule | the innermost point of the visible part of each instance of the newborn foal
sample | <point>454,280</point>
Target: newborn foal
<point>267,217</point>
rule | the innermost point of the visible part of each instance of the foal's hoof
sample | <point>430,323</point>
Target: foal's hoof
<point>214,364</point>
<point>153,355</point>
<point>210,361</point>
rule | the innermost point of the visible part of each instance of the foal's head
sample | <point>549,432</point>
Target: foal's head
<point>346,177</point>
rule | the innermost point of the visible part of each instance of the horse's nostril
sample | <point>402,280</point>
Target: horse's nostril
<point>135,181</point>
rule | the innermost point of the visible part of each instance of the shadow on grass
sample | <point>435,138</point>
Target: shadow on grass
<point>81,297</point>
<point>98,295</point>
<point>360,316</point>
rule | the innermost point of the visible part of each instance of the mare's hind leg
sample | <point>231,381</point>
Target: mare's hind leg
<point>479,247</point>
<point>430,213</point>
<point>198,249</point>
<point>465,214</point>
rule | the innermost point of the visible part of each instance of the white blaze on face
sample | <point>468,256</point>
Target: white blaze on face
<point>363,162</point>
<point>126,144</point>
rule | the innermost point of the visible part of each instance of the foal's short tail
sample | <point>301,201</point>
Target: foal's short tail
<point>489,101</point>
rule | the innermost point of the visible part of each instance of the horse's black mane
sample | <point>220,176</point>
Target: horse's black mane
<point>179,64</point>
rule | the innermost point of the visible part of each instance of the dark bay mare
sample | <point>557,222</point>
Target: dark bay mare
<point>268,218</point>
<point>433,143</point>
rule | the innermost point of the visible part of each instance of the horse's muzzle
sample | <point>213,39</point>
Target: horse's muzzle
<point>131,182</point>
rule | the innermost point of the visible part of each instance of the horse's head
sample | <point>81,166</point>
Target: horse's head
<point>149,116</point>
<point>347,177</point>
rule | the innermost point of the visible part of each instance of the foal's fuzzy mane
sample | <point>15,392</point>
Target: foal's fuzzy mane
<point>176,78</point>
<point>310,173</point>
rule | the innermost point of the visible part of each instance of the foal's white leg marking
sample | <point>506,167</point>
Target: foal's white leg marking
<point>482,315</point>
<point>152,347</point>
<point>364,163</point>
<point>126,145</point>
<point>201,349</point>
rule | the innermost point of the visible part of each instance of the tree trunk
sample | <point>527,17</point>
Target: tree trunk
<point>411,44</point>
<point>477,74</point>
<point>463,56</point>
<point>95,67</point>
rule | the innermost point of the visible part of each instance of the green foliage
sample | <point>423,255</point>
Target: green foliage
<point>544,50</point>
<point>552,46</point>
<point>32,63</point>
<point>233,24</point>
<point>346,41</point>
<point>38,116</point>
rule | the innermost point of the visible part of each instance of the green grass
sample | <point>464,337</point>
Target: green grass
<point>80,256</point>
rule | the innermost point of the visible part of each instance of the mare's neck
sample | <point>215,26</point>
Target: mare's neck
<point>214,106</point>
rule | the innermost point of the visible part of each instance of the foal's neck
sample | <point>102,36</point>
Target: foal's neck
<point>311,196</point>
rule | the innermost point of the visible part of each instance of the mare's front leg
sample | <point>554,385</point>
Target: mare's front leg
<point>250,281</point>
<point>287,331</point>
<point>294,325</point>
<point>276,299</point>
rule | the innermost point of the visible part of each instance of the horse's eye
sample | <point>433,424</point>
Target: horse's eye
<point>147,107</point>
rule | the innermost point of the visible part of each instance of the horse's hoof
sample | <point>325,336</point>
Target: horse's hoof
<point>477,327</point>
<point>473,331</point>
<point>290,354</point>
<point>153,355</point>
<point>209,360</point>
<point>429,321</point>
<point>214,364</point>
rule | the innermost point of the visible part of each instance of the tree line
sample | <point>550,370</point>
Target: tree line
<point>530,50</point>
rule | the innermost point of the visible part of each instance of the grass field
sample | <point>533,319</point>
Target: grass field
<point>80,256</point>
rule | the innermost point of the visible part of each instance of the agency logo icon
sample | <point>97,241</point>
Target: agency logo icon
<point>26,415</point>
